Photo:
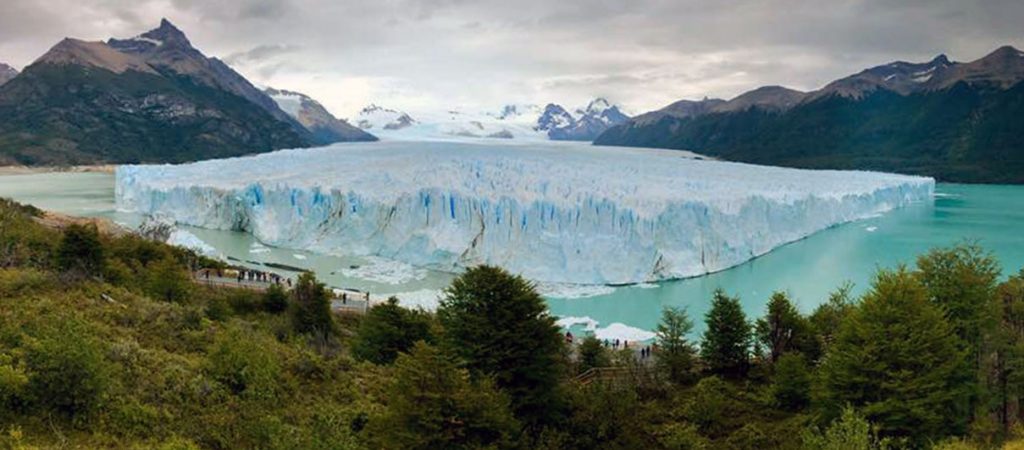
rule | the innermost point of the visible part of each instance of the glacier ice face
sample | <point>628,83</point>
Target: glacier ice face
<point>561,213</point>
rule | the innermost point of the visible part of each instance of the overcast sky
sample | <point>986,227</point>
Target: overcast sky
<point>439,54</point>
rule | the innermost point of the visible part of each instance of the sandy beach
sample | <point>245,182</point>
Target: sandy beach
<point>25,170</point>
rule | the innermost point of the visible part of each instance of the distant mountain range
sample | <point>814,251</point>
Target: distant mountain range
<point>513,121</point>
<point>150,98</point>
<point>954,121</point>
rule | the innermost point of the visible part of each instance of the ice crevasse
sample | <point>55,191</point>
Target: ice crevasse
<point>552,212</point>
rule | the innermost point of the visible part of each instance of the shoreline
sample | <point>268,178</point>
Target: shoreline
<point>29,170</point>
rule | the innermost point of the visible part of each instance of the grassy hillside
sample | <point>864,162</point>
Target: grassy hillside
<point>106,343</point>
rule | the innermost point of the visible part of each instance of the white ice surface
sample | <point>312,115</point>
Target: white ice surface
<point>552,212</point>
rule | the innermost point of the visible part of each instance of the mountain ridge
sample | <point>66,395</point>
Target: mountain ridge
<point>150,98</point>
<point>954,121</point>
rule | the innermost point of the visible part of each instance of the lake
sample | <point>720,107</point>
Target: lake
<point>808,270</point>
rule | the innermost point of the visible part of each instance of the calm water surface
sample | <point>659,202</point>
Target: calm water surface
<point>808,269</point>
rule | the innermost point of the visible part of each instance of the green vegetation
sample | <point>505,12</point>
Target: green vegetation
<point>71,114</point>
<point>963,134</point>
<point>105,342</point>
<point>726,344</point>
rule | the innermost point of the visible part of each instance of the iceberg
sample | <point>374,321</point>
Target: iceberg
<point>553,212</point>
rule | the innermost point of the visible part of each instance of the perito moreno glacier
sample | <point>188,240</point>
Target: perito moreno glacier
<point>551,212</point>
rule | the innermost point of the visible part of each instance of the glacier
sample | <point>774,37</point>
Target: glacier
<point>553,212</point>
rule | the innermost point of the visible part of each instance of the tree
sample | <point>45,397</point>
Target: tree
<point>311,307</point>
<point>387,330</point>
<point>829,316</point>
<point>791,383</point>
<point>675,352</point>
<point>429,402</point>
<point>592,354</point>
<point>726,344</point>
<point>1008,341</point>
<point>851,431</point>
<point>898,360</point>
<point>606,416</point>
<point>275,299</point>
<point>80,252</point>
<point>962,281</point>
<point>783,329</point>
<point>167,280</point>
<point>498,325</point>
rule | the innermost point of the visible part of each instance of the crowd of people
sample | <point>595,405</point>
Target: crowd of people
<point>616,344</point>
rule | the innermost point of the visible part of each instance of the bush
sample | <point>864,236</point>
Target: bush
<point>168,280</point>
<point>275,300</point>
<point>244,362</point>
<point>791,385</point>
<point>68,373</point>
<point>431,403</point>
<point>80,252</point>
<point>311,307</point>
<point>592,354</point>
<point>387,330</point>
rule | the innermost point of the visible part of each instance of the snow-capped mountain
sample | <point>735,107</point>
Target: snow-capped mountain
<point>311,114</point>
<point>584,124</point>
<point>7,73</point>
<point>512,121</point>
<point>376,118</point>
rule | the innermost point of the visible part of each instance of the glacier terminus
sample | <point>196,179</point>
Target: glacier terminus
<point>553,212</point>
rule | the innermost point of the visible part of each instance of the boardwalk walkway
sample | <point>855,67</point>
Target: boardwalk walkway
<point>351,302</point>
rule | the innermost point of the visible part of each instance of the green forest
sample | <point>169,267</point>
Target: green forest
<point>965,133</point>
<point>105,342</point>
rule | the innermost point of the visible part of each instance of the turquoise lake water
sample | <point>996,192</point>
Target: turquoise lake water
<point>808,269</point>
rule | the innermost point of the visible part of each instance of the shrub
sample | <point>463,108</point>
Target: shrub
<point>68,373</point>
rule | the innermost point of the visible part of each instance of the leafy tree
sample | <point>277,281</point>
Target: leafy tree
<point>80,252</point>
<point>851,431</point>
<point>499,326</point>
<point>791,384</point>
<point>1008,342</point>
<point>168,280</point>
<point>68,372</point>
<point>726,344</point>
<point>242,361</point>
<point>675,353</point>
<point>783,329</point>
<point>709,406</point>
<point>275,299</point>
<point>829,316</point>
<point>606,416</point>
<point>429,402</point>
<point>898,360</point>
<point>592,354</point>
<point>387,330</point>
<point>962,280</point>
<point>311,307</point>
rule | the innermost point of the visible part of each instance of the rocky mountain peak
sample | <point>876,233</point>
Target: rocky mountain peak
<point>7,73</point>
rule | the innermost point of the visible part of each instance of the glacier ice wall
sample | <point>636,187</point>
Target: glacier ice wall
<point>552,212</point>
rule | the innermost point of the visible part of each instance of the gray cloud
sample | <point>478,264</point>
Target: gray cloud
<point>441,53</point>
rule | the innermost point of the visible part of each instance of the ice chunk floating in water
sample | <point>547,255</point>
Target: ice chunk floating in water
<point>552,212</point>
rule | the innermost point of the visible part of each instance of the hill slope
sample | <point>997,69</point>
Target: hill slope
<point>151,98</point>
<point>314,117</point>
<point>953,121</point>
